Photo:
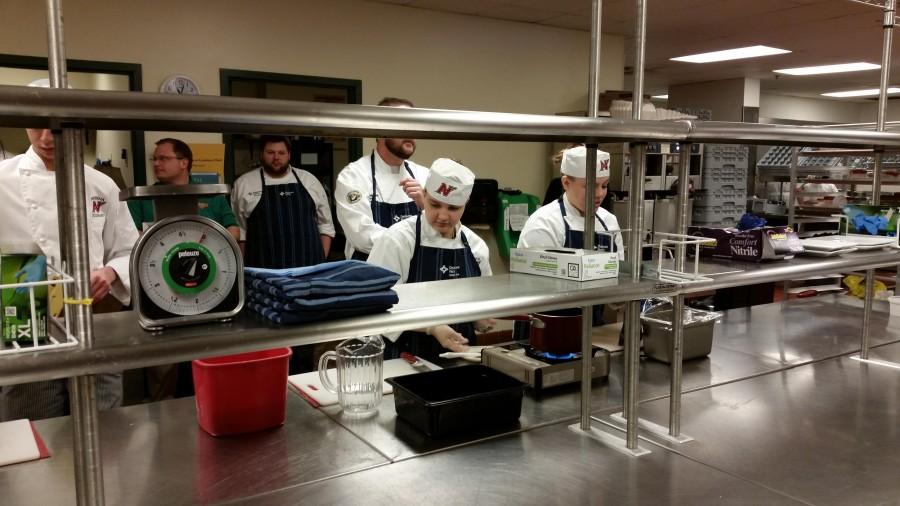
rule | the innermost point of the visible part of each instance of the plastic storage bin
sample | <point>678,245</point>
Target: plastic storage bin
<point>241,393</point>
<point>698,333</point>
<point>457,399</point>
<point>513,209</point>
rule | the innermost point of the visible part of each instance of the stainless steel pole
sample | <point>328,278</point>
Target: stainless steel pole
<point>792,201</point>
<point>678,301</point>
<point>635,239</point>
<point>888,35</point>
<point>587,312</point>
<point>69,169</point>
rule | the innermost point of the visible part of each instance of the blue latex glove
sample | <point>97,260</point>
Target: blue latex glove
<point>870,224</point>
<point>749,222</point>
<point>35,270</point>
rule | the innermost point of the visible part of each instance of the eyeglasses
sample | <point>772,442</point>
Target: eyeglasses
<point>164,158</point>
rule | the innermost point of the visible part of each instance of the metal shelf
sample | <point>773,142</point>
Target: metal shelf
<point>121,344</point>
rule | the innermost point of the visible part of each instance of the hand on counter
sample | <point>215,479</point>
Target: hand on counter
<point>449,338</point>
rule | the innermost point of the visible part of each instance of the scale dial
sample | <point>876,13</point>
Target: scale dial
<point>187,267</point>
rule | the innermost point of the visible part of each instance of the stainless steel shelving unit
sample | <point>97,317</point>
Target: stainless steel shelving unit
<point>121,344</point>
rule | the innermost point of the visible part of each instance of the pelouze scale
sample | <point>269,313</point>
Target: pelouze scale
<point>185,268</point>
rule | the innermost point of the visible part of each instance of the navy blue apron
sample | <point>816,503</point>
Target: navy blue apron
<point>435,264</point>
<point>282,230</point>
<point>575,239</point>
<point>386,214</point>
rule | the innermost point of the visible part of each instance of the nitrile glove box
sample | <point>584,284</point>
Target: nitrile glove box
<point>574,264</point>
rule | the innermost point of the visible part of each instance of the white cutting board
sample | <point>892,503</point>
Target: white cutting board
<point>17,443</point>
<point>310,386</point>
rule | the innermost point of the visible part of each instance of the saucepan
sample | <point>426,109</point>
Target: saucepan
<point>557,332</point>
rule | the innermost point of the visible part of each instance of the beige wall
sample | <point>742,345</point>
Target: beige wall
<point>435,59</point>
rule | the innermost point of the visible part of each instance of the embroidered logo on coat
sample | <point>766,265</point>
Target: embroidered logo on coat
<point>446,189</point>
<point>353,196</point>
<point>97,204</point>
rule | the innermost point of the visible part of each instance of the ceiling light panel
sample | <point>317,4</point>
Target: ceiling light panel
<point>829,69</point>
<point>731,54</point>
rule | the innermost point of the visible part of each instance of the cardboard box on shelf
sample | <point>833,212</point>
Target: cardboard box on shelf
<point>573,264</point>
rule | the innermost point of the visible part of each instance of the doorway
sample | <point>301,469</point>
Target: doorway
<point>119,154</point>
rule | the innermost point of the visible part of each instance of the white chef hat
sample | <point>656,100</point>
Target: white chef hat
<point>574,162</point>
<point>449,182</point>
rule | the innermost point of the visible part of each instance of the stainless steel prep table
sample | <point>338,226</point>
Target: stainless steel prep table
<point>157,454</point>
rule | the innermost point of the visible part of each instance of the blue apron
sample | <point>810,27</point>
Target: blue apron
<point>575,239</point>
<point>435,264</point>
<point>386,214</point>
<point>282,230</point>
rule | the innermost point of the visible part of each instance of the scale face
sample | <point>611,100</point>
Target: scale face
<point>184,270</point>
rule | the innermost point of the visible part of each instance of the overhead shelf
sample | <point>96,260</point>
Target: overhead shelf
<point>121,344</point>
<point>22,106</point>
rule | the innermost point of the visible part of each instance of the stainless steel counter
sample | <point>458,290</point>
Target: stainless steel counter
<point>156,454</point>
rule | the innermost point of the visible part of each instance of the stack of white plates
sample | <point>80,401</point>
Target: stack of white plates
<point>828,246</point>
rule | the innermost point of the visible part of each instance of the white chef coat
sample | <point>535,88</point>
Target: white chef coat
<point>247,191</point>
<point>30,221</point>
<point>545,227</point>
<point>353,198</point>
<point>394,249</point>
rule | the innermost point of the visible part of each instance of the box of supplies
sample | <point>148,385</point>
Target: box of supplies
<point>19,322</point>
<point>574,264</point>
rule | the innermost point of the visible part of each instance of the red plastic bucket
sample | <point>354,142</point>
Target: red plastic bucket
<point>241,393</point>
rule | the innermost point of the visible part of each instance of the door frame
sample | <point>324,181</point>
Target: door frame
<point>353,87</point>
<point>135,83</point>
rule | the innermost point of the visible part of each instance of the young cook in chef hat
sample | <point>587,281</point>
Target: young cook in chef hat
<point>447,191</point>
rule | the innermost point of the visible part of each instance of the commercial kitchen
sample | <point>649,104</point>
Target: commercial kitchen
<point>749,351</point>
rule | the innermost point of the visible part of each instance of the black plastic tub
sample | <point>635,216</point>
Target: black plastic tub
<point>449,401</point>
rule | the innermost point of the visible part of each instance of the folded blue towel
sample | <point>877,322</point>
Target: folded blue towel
<point>330,278</point>
<point>283,303</point>
<point>289,318</point>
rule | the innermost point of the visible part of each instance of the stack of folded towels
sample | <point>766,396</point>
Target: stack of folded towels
<point>319,292</point>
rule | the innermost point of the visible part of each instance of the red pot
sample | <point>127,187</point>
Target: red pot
<point>557,332</point>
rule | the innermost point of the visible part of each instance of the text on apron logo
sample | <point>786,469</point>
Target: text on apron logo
<point>285,194</point>
<point>353,196</point>
<point>97,204</point>
<point>453,270</point>
<point>446,189</point>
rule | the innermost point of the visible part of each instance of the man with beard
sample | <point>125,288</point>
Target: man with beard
<point>378,190</point>
<point>282,211</point>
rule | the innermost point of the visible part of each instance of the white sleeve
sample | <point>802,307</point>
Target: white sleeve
<point>538,233</point>
<point>389,252</point>
<point>482,255</point>
<point>119,236</point>
<point>323,209</point>
<point>239,205</point>
<point>354,211</point>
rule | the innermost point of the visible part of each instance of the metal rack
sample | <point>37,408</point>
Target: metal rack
<point>69,112</point>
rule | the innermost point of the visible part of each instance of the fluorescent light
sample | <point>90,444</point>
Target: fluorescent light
<point>858,93</point>
<point>829,69</point>
<point>660,97</point>
<point>731,54</point>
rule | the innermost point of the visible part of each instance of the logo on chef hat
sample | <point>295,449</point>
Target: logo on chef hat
<point>450,182</point>
<point>574,162</point>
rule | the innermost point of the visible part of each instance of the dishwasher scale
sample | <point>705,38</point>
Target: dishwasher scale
<point>541,370</point>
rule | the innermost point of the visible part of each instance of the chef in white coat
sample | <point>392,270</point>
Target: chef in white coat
<point>30,225</point>
<point>378,190</point>
<point>432,246</point>
<point>561,222</point>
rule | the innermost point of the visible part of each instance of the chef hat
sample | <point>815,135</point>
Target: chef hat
<point>574,162</point>
<point>450,182</point>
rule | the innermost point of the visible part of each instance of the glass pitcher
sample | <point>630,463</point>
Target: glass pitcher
<point>360,363</point>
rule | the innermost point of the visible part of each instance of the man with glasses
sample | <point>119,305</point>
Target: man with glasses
<point>172,161</point>
<point>30,225</point>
